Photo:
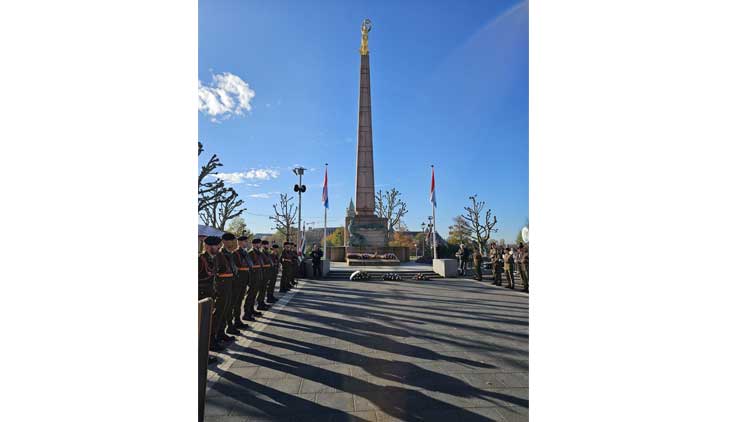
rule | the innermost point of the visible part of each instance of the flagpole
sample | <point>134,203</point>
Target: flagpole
<point>325,219</point>
<point>434,221</point>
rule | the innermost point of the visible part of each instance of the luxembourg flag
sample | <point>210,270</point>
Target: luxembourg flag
<point>433,199</point>
<point>325,190</point>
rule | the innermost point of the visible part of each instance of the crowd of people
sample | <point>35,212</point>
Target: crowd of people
<point>505,262</point>
<point>241,276</point>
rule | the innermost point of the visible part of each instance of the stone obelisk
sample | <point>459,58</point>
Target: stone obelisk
<point>365,232</point>
<point>365,177</point>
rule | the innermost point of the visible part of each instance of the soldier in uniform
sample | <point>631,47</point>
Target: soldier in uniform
<point>477,265</point>
<point>267,265</point>
<point>229,245</point>
<point>241,282</point>
<point>206,276</point>
<point>223,273</point>
<point>316,256</point>
<point>275,261</point>
<point>523,265</point>
<point>496,259</point>
<point>287,260</point>
<point>508,268</point>
<point>295,268</point>
<point>257,280</point>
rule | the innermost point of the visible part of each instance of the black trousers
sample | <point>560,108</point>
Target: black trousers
<point>223,300</point>
<point>316,270</point>
<point>239,288</point>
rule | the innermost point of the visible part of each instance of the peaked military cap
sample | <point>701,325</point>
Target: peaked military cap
<point>265,242</point>
<point>275,246</point>
<point>212,240</point>
<point>228,236</point>
<point>242,238</point>
<point>256,240</point>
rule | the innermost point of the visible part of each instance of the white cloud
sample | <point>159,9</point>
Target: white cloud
<point>227,95</point>
<point>265,195</point>
<point>252,174</point>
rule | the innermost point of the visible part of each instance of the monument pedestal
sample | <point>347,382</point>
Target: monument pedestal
<point>366,230</point>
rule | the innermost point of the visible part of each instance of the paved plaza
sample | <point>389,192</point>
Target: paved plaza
<point>339,350</point>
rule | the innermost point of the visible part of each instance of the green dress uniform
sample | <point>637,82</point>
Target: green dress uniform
<point>223,297</point>
<point>241,284</point>
<point>257,281</point>
<point>234,290</point>
<point>266,275</point>
<point>508,268</point>
<point>524,268</point>
<point>274,255</point>
<point>477,265</point>
<point>205,276</point>
<point>496,259</point>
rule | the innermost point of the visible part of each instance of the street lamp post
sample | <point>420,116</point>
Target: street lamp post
<point>424,236</point>
<point>299,188</point>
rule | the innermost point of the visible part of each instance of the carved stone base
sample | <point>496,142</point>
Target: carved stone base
<point>366,231</point>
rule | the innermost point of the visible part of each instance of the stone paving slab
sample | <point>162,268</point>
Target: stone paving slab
<point>338,350</point>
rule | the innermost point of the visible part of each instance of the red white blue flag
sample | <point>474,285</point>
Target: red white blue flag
<point>433,199</point>
<point>325,189</point>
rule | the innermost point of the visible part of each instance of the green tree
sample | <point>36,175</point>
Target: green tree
<point>238,227</point>
<point>459,232</point>
<point>336,238</point>
<point>519,238</point>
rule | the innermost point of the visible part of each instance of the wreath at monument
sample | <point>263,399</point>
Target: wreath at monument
<point>421,277</point>
<point>359,276</point>
<point>391,277</point>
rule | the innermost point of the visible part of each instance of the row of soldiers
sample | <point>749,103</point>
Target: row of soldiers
<point>505,262</point>
<point>242,281</point>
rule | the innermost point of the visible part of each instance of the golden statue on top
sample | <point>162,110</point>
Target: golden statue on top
<point>366,28</point>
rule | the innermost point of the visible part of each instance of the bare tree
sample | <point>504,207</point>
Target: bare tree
<point>389,205</point>
<point>213,191</point>
<point>217,203</point>
<point>482,224</point>
<point>284,216</point>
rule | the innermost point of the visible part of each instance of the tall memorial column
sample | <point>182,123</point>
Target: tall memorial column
<point>365,177</point>
<point>365,232</point>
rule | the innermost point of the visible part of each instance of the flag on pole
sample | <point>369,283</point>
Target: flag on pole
<point>433,199</point>
<point>325,189</point>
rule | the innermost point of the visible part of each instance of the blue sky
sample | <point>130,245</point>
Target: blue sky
<point>449,88</point>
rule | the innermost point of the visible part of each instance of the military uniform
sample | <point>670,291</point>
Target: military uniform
<point>508,268</point>
<point>265,262</point>
<point>524,267</point>
<point>222,298</point>
<point>496,259</point>
<point>205,276</point>
<point>477,265</point>
<point>287,263</point>
<point>241,283</point>
<point>257,280</point>
<point>295,266</point>
<point>233,281</point>
<point>274,255</point>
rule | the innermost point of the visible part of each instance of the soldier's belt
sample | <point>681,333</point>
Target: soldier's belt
<point>256,266</point>
<point>243,268</point>
<point>226,275</point>
<point>266,266</point>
